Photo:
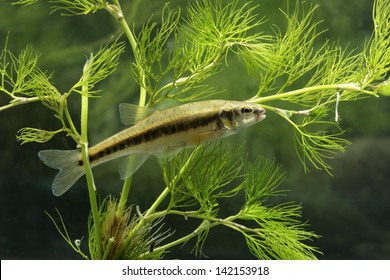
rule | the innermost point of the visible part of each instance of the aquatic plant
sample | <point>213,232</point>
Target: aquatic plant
<point>173,60</point>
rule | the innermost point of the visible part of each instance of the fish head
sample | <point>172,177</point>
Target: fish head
<point>238,115</point>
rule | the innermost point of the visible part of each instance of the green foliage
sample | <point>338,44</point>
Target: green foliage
<point>199,46</point>
<point>304,81</point>
<point>99,67</point>
<point>376,55</point>
<point>77,7</point>
<point>214,173</point>
<point>24,82</point>
<point>294,52</point>
<point>276,224</point>
<point>203,179</point>
<point>333,76</point>
<point>30,134</point>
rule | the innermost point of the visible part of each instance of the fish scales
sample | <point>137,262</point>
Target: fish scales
<point>163,133</point>
<point>176,127</point>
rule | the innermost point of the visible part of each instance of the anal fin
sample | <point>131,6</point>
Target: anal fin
<point>207,136</point>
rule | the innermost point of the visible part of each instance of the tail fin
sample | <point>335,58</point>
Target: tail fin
<point>67,161</point>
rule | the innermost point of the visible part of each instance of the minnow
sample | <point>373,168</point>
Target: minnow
<point>161,133</point>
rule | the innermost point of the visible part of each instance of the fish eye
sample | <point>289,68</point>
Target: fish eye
<point>246,110</point>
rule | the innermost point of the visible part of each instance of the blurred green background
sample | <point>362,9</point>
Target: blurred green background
<point>349,210</point>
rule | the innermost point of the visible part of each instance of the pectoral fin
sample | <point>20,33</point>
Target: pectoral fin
<point>169,152</point>
<point>204,137</point>
<point>130,164</point>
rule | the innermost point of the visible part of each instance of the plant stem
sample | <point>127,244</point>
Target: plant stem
<point>116,11</point>
<point>76,136</point>
<point>109,245</point>
<point>19,101</point>
<point>87,165</point>
<point>207,223</point>
<point>163,195</point>
<point>134,46</point>
<point>281,96</point>
<point>150,211</point>
<point>203,226</point>
<point>229,221</point>
<point>124,195</point>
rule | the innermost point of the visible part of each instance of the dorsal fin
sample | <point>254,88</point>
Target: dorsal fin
<point>131,113</point>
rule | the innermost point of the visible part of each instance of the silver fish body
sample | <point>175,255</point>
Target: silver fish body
<point>163,133</point>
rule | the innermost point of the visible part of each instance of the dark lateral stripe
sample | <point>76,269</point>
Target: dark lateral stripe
<point>180,125</point>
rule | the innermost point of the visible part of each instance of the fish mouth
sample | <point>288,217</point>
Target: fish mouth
<point>261,116</point>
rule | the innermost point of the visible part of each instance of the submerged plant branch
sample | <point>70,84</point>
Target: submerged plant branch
<point>301,94</point>
<point>164,194</point>
<point>260,182</point>
<point>61,228</point>
<point>87,72</point>
<point>316,146</point>
<point>212,30</point>
<point>334,76</point>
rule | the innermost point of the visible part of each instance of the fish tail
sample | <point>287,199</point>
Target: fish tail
<point>67,161</point>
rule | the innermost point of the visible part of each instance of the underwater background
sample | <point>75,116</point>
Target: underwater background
<point>350,209</point>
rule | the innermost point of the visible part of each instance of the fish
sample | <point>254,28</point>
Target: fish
<point>162,133</point>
